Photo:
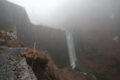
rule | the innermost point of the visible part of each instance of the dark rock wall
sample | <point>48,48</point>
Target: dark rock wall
<point>13,14</point>
<point>53,40</point>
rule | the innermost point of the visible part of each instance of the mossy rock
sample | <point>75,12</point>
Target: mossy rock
<point>91,77</point>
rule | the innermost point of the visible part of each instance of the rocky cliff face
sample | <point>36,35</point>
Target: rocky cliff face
<point>13,66</point>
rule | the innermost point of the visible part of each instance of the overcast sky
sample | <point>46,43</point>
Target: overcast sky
<point>68,13</point>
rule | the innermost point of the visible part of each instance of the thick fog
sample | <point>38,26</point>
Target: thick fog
<point>69,13</point>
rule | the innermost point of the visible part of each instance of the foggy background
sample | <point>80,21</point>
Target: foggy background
<point>95,31</point>
<point>69,13</point>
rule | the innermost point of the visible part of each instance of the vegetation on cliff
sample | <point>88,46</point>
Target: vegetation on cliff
<point>44,68</point>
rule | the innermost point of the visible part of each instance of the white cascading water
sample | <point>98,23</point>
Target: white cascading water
<point>34,52</point>
<point>71,49</point>
<point>15,32</point>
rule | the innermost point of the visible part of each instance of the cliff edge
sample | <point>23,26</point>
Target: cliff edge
<point>13,66</point>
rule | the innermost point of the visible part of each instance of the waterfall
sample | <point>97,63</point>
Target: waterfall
<point>34,52</point>
<point>15,32</point>
<point>71,49</point>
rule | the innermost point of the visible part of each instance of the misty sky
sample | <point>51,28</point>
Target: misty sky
<point>68,13</point>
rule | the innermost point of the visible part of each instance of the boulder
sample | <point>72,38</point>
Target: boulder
<point>10,36</point>
<point>2,41</point>
<point>91,77</point>
<point>2,32</point>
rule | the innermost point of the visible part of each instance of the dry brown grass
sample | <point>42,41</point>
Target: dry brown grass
<point>44,68</point>
<point>6,29</point>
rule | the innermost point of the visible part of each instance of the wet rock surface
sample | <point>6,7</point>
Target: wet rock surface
<point>9,35</point>
<point>13,66</point>
<point>91,77</point>
<point>2,41</point>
